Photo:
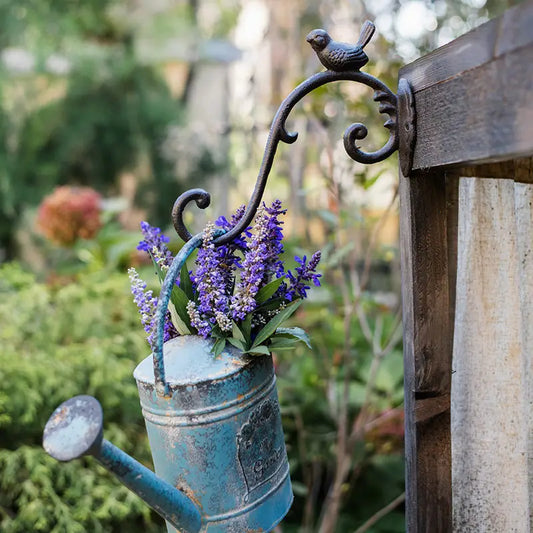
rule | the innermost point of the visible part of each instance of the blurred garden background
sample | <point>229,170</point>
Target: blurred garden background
<point>109,110</point>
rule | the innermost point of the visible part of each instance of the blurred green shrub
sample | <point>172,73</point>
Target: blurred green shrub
<point>352,378</point>
<point>112,116</point>
<point>80,338</point>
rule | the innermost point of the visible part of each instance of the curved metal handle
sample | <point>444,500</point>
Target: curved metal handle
<point>278,133</point>
<point>161,385</point>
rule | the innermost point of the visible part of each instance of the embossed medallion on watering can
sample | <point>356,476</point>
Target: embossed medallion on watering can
<point>218,436</point>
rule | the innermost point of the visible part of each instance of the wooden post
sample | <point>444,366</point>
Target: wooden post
<point>428,331</point>
<point>474,108</point>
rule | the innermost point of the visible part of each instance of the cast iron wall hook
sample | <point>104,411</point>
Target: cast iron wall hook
<point>214,423</point>
<point>343,62</point>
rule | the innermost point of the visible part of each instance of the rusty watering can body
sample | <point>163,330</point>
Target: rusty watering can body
<point>214,425</point>
<point>218,436</point>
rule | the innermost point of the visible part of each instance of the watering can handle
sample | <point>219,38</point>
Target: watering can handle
<point>161,385</point>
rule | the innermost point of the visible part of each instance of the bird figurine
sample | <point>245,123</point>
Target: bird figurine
<point>340,57</point>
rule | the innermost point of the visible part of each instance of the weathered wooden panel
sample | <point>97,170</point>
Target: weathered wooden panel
<point>474,97</point>
<point>474,107</point>
<point>491,362</point>
<point>479,46</point>
<point>464,53</point>
<point>524,233</point>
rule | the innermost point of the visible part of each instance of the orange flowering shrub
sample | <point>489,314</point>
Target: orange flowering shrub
<point>69,214</point>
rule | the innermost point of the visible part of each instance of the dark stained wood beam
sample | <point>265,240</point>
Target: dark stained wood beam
<point>519,170</point>
<point>427,278</point>
<point>474,96</point>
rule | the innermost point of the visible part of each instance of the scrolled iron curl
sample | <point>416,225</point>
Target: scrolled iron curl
<point>278,132</point>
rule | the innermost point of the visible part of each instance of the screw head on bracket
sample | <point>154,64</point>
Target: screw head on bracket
<point>74,429</point>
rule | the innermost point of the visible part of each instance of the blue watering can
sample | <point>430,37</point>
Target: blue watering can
<point>214,428</point>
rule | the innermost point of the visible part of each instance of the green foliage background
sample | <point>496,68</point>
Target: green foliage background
<point>57,342</point>
<point>109,113</point>
<point>310,385</point>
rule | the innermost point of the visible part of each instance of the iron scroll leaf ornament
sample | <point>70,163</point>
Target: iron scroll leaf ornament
<point>343,63</point>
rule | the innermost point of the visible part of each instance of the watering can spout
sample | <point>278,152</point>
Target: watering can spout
<point>75,429</point>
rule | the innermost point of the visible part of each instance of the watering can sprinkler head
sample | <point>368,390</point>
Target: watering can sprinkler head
<point>75,429</point>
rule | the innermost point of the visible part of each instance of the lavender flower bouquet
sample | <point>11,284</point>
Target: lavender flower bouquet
<point>240,293</point>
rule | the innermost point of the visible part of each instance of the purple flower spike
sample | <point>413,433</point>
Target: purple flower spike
<point>203,327</point>
<point>261,259</point>
<point>253,269</point>
<point>228,259</point>
<point>155,243</point>
<point>304,274</point>
<point>147,304</point>
<point>211,283</point>
<point>222,222</point>
<point>275,235</point>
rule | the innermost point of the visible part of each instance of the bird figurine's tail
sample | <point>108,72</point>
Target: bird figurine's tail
<point>367,30</point>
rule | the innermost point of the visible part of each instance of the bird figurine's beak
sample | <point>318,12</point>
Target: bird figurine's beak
<point>309,38</point>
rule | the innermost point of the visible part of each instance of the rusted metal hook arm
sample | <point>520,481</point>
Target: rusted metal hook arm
<point>343,63</point>
<point>278,132</point>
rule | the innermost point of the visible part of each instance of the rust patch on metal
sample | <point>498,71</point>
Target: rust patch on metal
<point>189,493</point>
<point>60,415</point>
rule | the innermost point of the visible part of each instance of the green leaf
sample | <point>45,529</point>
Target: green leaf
<point>237,343</point>
<point>299,488</point>
<point>274,322</point>
<point>178,298</point>
<point>329,218</point>
<point>389,373</point>
<point>369,182</point>
<point>246,327</point>
<point>268,290</point>
<point>218,347</point>
<point>158,270</point>
<point>180,301</point>
<point>180,326</point>
<point>338,256</point>
<point>297,333</point>
<point>185,282</point>
<point>237,333</point>
<point>283,343</point>
<point>216,333</point>
<point>259,350</point>
<point>270,305</point>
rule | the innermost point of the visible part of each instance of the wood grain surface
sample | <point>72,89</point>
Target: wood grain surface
<point>474,96</point>
<point>491,381</point>
<point>428,333</point>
